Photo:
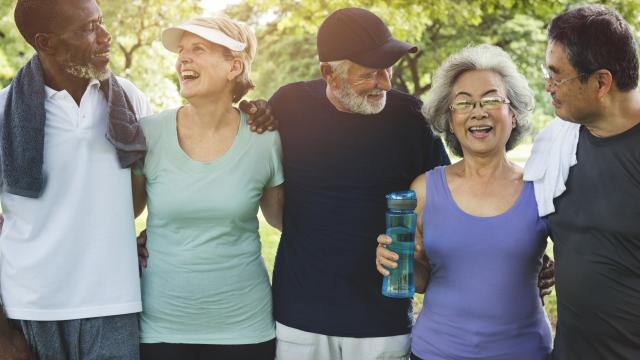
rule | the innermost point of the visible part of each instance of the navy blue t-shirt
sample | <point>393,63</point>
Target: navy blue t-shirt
<point>338,168</point>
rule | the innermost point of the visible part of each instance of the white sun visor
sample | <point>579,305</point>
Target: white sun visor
<point>172,36</point>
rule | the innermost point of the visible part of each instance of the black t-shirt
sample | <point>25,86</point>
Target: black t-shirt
<point>596,234</point>
<point>338,168</point>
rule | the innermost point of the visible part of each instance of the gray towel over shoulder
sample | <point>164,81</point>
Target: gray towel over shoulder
<point>22,131</point>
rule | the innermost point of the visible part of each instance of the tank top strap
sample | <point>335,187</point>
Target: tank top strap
<point>437,188</point>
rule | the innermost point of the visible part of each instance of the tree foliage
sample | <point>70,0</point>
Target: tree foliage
<point>286,31</point>
<point>14,51</point>
<point>135,27</point>
<point>136,53</point>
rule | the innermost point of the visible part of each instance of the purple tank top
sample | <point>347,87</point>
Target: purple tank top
<point>482,300</point>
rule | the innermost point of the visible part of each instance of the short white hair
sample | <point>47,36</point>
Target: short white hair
<point>340,67</point>
<point>480,57</point>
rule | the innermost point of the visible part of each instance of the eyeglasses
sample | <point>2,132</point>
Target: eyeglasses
<point>487,103</point>
<point>546,74</point>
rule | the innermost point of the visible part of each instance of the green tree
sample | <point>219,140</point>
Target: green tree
<point>136,53</point>
<point>438,27</point>
<point>14,51</point>
<point>286,31</point>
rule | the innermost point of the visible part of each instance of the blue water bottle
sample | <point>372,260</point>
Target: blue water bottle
<point>401,227</point>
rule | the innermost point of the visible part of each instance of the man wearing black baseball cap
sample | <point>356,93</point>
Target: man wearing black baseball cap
<point>360,36</point>
<point>348,139</point>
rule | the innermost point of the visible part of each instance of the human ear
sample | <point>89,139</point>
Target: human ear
<point>45,43</point>
<point>237,67</point>
<point>604,80</point>
<point>329,75</point>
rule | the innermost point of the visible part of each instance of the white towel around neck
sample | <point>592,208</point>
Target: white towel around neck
<point>553,153</point>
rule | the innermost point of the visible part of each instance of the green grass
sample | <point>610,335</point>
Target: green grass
<point>270,237</point>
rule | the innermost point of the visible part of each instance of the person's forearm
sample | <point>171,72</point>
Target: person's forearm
<point>271,205</point>
<point>4,322</point>
<point>138,185</point>
<point>274,218</point>
<point>139,203</point>
<point>13,344</point>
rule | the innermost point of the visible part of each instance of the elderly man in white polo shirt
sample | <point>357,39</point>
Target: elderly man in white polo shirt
<point>68,273</point>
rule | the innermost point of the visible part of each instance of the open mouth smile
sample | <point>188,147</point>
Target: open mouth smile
<point>189,75</point>
<point>480,131</point>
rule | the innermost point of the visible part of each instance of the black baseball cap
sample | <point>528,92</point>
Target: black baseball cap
<point>360,36</point>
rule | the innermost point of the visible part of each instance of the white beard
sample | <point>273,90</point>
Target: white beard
<point>359,104</point>
<point>87,71</point>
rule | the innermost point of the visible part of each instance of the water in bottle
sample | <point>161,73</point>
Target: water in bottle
<point>401,228</point>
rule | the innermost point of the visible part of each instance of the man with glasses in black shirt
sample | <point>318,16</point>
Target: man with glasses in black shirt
<point>592,76</point>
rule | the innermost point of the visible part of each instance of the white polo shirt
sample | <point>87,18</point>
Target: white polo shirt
<point>71,253</point>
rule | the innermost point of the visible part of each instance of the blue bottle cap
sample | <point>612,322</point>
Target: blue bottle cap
<point>402,200</point>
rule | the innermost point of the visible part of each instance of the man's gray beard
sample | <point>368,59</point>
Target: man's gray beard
<point>87,71</point>
<point>358,103</point>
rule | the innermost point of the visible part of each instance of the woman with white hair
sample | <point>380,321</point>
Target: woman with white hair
<point>205,289</point>
<point>479,238</point>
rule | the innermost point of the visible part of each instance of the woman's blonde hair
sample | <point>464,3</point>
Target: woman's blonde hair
<point>241,32</point>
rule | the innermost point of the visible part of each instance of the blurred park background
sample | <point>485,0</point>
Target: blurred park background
<point>286,46</point>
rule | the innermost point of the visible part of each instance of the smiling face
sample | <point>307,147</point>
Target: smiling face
<point>204,68</point>
<point>82,42</point>
<point>481,130</point>
<point>363,90</point>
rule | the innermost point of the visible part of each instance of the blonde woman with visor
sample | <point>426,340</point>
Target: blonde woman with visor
<point>205,289</point>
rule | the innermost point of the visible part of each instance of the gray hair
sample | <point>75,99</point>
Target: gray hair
<point>340,67</point>
<point>481,57</point>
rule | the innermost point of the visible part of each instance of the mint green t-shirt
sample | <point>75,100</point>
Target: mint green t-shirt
<point>206,281</point>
